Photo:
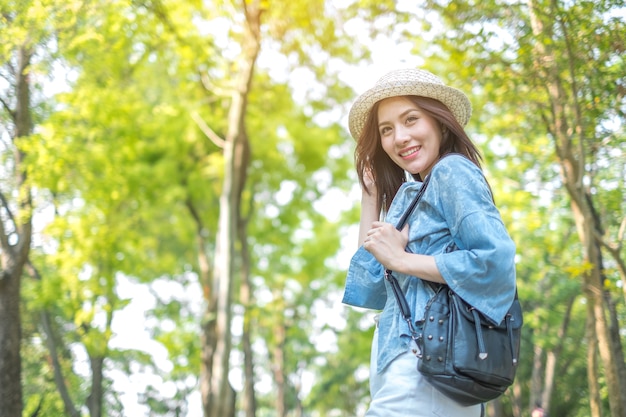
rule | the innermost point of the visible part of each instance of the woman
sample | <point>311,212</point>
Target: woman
<point>411,123</point>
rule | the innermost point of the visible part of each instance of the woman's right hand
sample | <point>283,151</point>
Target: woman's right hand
<point>368,182</point>
<point>386,243</point>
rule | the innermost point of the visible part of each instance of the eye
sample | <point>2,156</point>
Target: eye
<point>411,119</point>
<point>384,130</point>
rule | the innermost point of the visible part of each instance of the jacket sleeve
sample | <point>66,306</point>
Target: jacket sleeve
<point>480,264</point>
<point>365,286</point>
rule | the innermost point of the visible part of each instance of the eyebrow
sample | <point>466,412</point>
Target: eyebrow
<point>404,113</point>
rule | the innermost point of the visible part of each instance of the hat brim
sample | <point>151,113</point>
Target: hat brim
<point>455,100</point>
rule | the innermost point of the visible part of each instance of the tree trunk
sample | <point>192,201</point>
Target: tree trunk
<point>536,382</point>
<point>59,379</point>
<point>218,397</point>
<point>14,254</point>
<point>10,336</point>
<point>606,321</point>
<point>51,343</point>
<point>616,345</point>
<point>608,344</point>
<point>278,361</point>
<point>595,402</point>
<point>495,408</point>
<point>552,358</point>
<point>615,249</point>
<point>516,401</point>
<point>249,399</point>
<point>94,400</point>
<point>571,157</point>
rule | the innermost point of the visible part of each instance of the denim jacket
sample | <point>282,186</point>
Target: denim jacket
<point>456,222</point>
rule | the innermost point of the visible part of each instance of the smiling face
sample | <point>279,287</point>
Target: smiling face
<point>409,136</point>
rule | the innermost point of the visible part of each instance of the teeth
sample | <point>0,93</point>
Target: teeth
<point>409,152</point>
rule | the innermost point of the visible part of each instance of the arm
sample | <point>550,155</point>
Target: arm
<point>365,285</point>
<point>387,245</point>
<point>423,266</point>
<point>370,211</point>
<point>369,214</point>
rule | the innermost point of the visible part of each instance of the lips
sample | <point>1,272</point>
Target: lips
<point>409,152</point>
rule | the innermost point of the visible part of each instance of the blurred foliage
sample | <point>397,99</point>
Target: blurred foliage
<point>118,153</point>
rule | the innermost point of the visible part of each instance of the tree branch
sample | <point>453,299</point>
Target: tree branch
<point>215,138</point>
<point>59,378</point>
<point>215,90</point>
<point>622,230</point>
<point>614,250</point>
<point>4,239</point>
<point>617,246</point>
<point>7,108</point>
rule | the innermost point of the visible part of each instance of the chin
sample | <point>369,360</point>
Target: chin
<point>413,171</point>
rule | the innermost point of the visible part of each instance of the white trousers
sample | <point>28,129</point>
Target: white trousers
<point>401,391</point>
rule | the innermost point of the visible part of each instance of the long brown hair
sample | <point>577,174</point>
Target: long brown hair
<point>388,177</point>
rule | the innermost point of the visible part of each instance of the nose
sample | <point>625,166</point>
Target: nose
<point>402,135</point>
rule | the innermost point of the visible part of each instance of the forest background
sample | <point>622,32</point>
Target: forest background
<point>178,197</point>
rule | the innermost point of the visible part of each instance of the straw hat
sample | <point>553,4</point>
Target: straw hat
<point>409,82</point>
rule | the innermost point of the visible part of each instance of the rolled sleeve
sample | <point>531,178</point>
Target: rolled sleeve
<point>484,274</point>
<point>365,286</point>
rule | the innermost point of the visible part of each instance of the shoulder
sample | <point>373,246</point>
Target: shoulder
<point>455,165</point>
<point>456,172</point>
<point>458,181</point>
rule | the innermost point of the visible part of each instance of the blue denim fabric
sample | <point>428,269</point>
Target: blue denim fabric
<point>456,222</point>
